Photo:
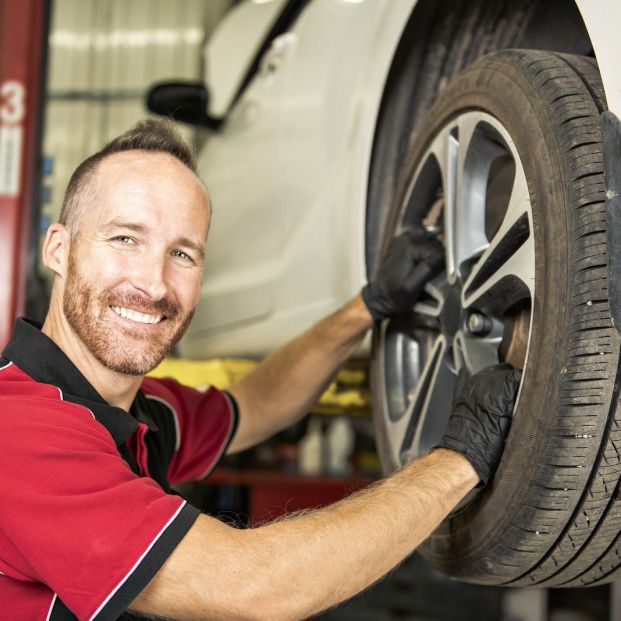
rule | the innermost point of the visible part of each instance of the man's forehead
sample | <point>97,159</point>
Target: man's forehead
<point>154,165</point>
<point>134,177</point>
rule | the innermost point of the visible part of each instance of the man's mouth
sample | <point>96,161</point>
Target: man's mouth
<point>133,315</point>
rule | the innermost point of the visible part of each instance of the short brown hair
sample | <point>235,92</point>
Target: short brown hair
<point>158,135</point>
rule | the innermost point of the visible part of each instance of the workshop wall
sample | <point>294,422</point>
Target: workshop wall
<point>103,56</point>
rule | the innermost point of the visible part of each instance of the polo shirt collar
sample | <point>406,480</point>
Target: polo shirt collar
<point>36,354</point>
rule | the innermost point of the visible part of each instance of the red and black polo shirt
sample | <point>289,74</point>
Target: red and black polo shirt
<point>87,516</point>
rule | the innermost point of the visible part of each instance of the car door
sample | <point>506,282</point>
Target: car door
<point>241,164</point>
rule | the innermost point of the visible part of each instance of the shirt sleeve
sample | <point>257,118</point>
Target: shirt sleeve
<point>205,423</point>
<point>74,517</point>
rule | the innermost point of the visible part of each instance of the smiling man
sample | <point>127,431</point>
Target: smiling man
<point>131,267</point>
<point>89,525</point>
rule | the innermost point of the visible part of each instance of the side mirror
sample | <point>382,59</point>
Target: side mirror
<point>183,101</point>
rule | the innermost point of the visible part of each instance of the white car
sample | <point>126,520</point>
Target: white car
<point>493,123</point>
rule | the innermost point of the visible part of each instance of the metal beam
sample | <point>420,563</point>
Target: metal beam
<point>22,46</point>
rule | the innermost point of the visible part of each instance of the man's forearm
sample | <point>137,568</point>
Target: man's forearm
<point>287,383</point>
<point>306,563</point>
<point>352,544</point>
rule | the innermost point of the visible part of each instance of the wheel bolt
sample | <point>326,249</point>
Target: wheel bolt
<point>479,324</point>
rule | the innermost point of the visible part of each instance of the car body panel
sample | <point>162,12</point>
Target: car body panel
<point>283,220</point>
<point>602,20</point>
<point>288,171</point>
<point>231,49</point>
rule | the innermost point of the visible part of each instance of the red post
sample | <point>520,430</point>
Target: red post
<point>22,32</point>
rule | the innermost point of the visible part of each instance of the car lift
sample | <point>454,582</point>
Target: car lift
<point>23,26</point>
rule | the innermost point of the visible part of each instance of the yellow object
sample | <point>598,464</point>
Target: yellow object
<point>220,372</point>
<point>347,394</point>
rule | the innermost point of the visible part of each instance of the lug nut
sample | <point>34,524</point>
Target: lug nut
<point>479,324</point>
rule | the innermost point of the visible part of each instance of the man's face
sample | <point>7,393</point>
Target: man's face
<point>135,268</point>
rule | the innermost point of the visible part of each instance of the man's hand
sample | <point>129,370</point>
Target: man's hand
<point>413,258</point>
<point>482,410</point>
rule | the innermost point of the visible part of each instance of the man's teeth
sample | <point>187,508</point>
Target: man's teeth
<point>128,313</point>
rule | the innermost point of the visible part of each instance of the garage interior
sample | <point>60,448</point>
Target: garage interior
<point>83,69</point>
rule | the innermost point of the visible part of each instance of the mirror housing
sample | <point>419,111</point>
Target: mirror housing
<point>182,101</point>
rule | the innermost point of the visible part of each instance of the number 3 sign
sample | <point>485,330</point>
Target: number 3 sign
<point>12,113</point>
<point>12,103</point>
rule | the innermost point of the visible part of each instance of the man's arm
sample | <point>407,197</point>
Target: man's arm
<point>299,566</point>
<point>285,385</point>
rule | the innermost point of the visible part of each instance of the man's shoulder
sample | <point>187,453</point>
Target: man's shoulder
<point>25,402</point>
<point>16,383</point>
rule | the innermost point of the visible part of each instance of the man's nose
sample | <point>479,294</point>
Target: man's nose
<point>149,277</point>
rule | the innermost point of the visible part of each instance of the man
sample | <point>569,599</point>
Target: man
<point>89,526</point>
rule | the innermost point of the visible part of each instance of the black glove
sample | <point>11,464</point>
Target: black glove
<point>412,259</point>
<point>481,417</point>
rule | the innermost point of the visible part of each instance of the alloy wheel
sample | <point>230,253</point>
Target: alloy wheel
<point>470,191</point>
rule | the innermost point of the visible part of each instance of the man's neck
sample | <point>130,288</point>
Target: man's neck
<point>118,389</point>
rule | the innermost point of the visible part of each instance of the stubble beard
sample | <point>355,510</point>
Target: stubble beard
<point>120,349</point>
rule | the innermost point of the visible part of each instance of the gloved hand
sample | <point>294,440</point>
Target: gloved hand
<point>482,413</point>
<point>412,260</point>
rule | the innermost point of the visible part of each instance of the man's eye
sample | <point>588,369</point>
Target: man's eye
<point>123,239</point>
<point>182,255</point>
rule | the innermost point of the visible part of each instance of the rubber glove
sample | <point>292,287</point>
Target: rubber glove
<point>412,260</point>
<point>482,412</point>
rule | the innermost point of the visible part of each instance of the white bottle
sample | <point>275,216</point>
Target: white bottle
<point>340,446</point>
<point>311,449</point>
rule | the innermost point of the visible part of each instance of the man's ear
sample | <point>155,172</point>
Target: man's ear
<point>55,251</point>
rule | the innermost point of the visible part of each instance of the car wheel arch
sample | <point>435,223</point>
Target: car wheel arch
<point>430,25</point>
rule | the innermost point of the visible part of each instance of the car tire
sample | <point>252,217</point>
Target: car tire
<point>551,515</point>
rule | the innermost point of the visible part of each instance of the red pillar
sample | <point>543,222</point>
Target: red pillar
<point>22,44</point>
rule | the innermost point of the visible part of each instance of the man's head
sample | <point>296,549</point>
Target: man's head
<point>128,251</point>
<point>153,135</point>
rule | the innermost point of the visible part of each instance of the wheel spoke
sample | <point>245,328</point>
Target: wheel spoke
<point>401,367</point>
<point>473,353</point>
<point>433,306</point>
<point>431,385</point>
<point>507,267</point>
<point>476,153</point>
<point>397,410</point>
<point>446,149</point>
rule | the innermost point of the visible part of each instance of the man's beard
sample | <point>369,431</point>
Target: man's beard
<point>121,349</point>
